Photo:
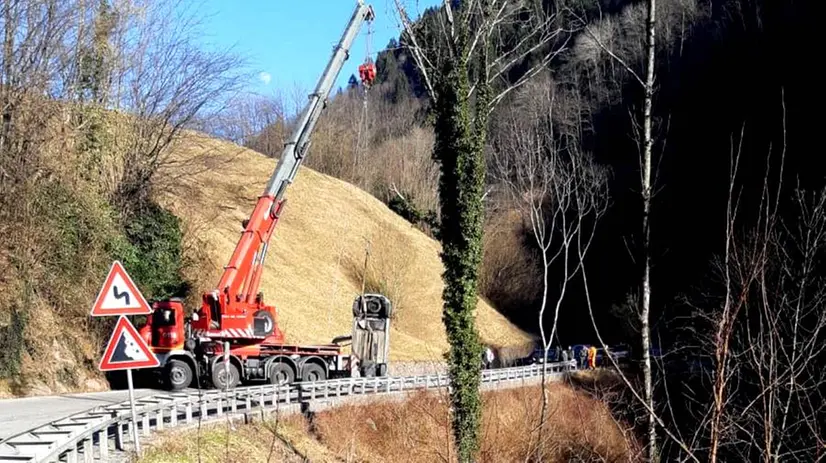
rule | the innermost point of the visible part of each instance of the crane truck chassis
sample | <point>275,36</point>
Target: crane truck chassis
<point>234,336</point>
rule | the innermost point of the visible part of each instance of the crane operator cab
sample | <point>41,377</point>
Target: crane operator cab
<point>371,333</point>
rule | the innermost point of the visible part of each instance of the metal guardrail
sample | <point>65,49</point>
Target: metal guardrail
<point>92,435</point>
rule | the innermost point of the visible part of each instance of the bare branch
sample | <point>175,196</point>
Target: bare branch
<point>422,63</point>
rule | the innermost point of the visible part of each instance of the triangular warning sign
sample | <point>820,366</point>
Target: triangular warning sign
<point>126,349</point>
<point>119,295</point>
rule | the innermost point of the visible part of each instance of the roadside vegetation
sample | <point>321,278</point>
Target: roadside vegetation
<point>87,116</point>
<point>579,428</point>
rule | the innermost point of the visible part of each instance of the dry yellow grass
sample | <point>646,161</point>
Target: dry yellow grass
<point>579,428</point>
<point>314,266</point>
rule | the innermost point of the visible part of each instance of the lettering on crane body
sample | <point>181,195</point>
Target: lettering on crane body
<point>119,295</point>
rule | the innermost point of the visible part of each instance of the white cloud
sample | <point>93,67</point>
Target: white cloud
<point>265,77</point>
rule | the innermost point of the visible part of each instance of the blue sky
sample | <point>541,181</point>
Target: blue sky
<point>287,43</point>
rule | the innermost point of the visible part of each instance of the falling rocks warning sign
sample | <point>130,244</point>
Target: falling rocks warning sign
<point>126,349</point>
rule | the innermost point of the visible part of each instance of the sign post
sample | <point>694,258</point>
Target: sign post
<point>126,349</point>
<point>134,413</point>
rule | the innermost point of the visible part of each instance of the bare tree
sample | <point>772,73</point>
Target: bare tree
<point>255,121</point>
<point>561,195</point>
<point>767,328</point>
<point>646,81</point>
<point>168,81</point>
<point>648,145</point>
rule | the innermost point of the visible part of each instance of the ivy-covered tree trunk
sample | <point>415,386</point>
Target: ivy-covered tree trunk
<point>459,149</point>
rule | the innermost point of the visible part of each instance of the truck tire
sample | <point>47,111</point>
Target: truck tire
<point>178,375</point>
<point>117,380</point>
<point>312,372</point>
<point>225,377</point>
<point>381,370</point>
<point>281,374</point>
<point>368,369</point>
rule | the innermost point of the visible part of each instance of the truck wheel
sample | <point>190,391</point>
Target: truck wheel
<point>368,369</point>
<point>281,374</point>
<point>381,369</point>
<point>312,372</point>
<point>225,377</point>
<point>178,375</point>
<point>117,380</point>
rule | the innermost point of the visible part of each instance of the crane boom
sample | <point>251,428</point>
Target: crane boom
<point>296,146</point>
<point>230,313</point>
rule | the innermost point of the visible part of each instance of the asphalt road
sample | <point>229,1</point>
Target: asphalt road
<point>18,415</point>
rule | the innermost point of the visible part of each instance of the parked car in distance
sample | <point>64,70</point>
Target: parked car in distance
<point>537,356</point>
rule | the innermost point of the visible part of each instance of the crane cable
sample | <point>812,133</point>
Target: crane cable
<point>363,115</point>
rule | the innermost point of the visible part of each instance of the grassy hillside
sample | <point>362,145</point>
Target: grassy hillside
<point>316,259</point>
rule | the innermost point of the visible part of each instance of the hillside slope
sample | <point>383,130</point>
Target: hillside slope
<point>314,266</point>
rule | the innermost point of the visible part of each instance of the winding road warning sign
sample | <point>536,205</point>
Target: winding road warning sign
<point>126,349</point>
<point>119,295</point>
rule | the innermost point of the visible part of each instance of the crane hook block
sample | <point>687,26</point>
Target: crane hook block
<point>367,72</point>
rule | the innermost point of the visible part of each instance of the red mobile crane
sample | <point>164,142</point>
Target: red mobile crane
<point>234,314</point>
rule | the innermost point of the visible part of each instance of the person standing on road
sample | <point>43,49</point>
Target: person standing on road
<point>487,358</point>
<point>583,353</point>
<point>592,357</point>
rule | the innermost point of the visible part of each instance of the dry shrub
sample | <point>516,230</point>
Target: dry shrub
<point>216,443</point>
<point>507,356</point>
<point>57,230</point>
<point>386,268</point>
<point>579,428</point>
<point>385,151</point>
<point>405,164</point>
<point>510,273</point>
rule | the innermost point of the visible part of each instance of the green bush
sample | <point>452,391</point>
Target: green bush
<point>152,252</point>
<point>407,209</point>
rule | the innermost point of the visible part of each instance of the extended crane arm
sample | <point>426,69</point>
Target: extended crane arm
<point>241,277</point>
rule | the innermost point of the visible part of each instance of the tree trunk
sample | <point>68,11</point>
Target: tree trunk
<point>459,150</point>
<point>648,143</point>
<point>546,344</point>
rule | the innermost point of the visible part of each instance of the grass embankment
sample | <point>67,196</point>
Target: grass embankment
<point>579,428</point>
<point>316,259</point>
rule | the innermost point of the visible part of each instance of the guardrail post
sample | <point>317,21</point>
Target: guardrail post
<point>103,445</point>
<point>234,400</point>
<point>159,420</point>
<point>173,416</point>
<point>189,413</point>
<point>71,456</point>
<point>145,425</point>
<point>203,410</point>
<point>87,450</point>
<point>219,409</point>
<point>119,436</point>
